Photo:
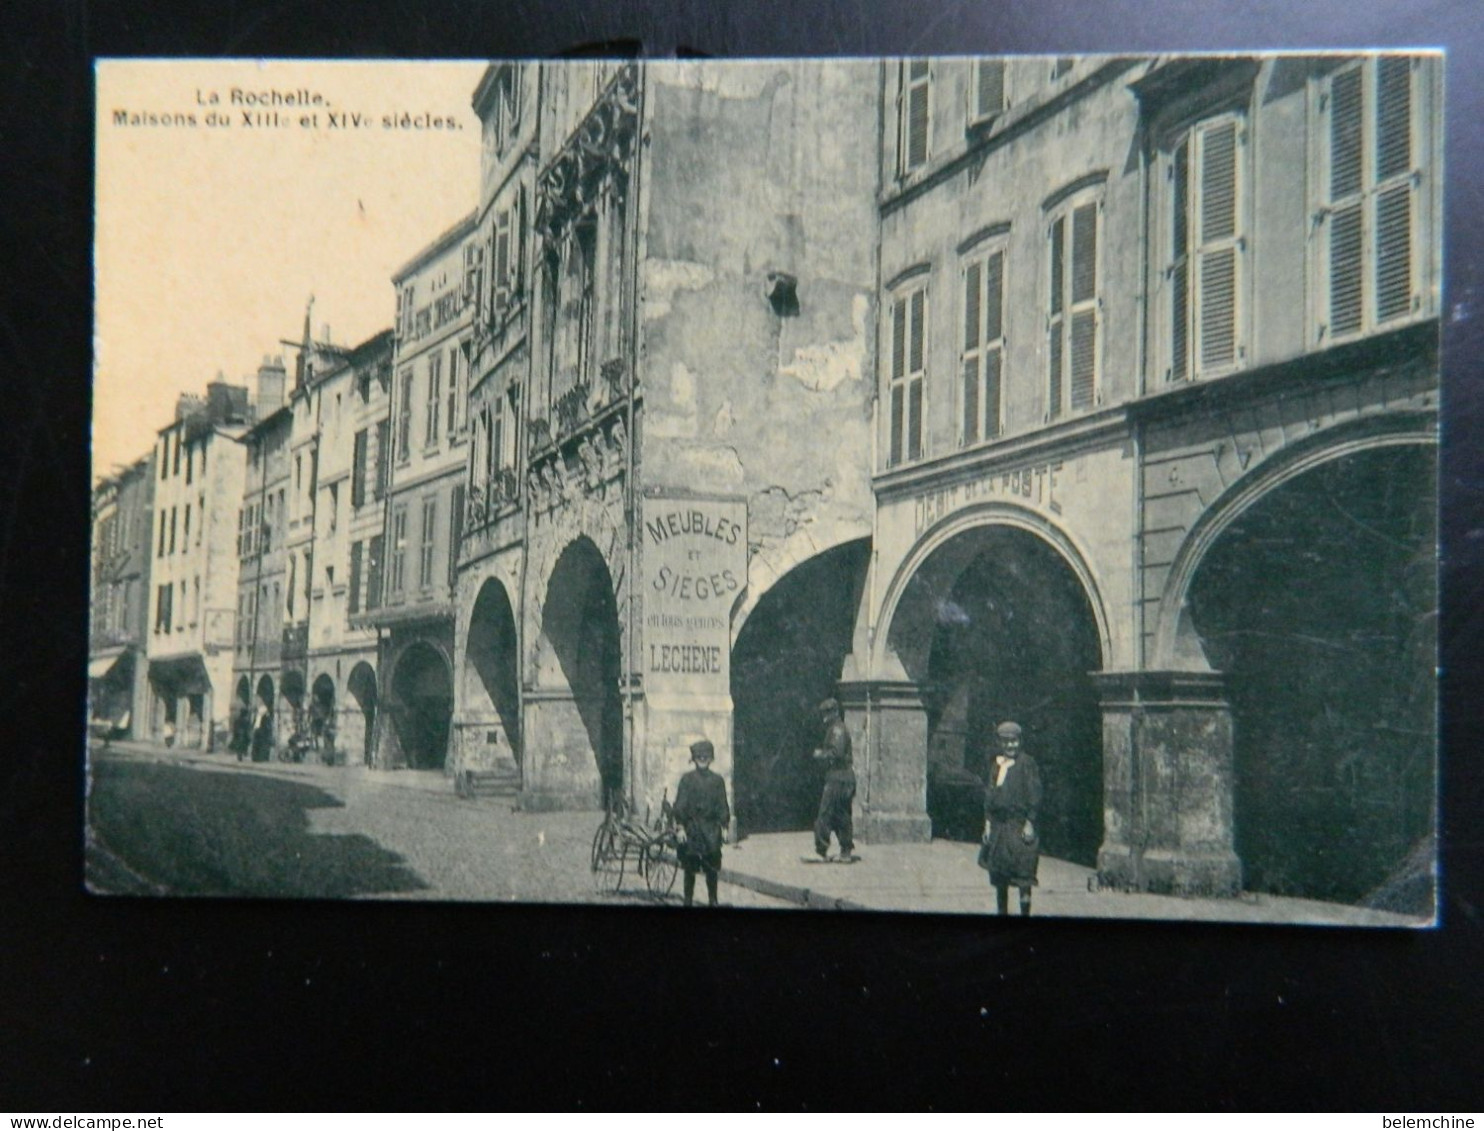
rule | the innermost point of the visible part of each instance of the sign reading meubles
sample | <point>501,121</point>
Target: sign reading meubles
<point>695,565</point>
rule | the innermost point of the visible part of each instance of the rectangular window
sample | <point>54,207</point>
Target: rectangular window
<point>383,457</point>
<point>404,418</point>
<point>356,550</point>
<point>399,549</point>
<point>908,371</point>
<point>984,346</point>
<point>374,557</point>
<point>455,532</point>
<point>1073,309</point>
<point>200,517</point>
<point>186,533</point>
<point>160,517</point>
<point>435,396</point>
<point>180,625</point>
<point>240,517</point>
<point>1370,183</point>
<point>189,461</point>
<point>173,517</point>
<point>429,529</point>
<point>358,470</point>
<point>175,469</point>
<point>502,258</point>
<point>988,94</point>
<point>1207,248</point>
<point>913,114</point>
<point>454,390</point>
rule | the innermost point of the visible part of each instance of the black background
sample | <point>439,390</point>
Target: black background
<point>177,1005</point>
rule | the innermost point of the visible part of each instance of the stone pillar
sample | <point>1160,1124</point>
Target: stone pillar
<point>888,729</point>
<point>668,724</point>
<point>1167,783</point>
<point>560,770</point>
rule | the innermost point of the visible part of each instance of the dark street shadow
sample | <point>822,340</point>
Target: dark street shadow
<point>177,831</point>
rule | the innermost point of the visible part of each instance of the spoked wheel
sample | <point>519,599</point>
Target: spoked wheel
<point>602,845</point>
<point>610,870</point>
<point>660,867</point>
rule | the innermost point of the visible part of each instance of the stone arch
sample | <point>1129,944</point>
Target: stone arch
<point>1175,646</point>
<point>788,656</point>
<point>490,681</point>
<point>970,518</point>
<point>1315,597</point>
<point>422,703</point>
<point>995,616</point>
<point>581,665</point>
<point>361,684</point>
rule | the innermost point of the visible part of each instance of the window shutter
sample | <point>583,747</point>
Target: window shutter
<point>897,410</point>
<point>1084,252</point>
<point>374,554</point>
<point>971,398</point>
<point>358,471</point>
<point>973,302</point>
<point>917,113</point>
<point>1053,404</point>
<point>994,310</point>
<point>356,550</point>
<point>1179,262</point>
<point>383,456</point>
<point>914,419</point>
<point>989,88</point>
<point>502,250</point>
<point>1345,134</point>
<point>1346,243</point>
<point>898,371</point>
<point>456,533</point>
<point>1394,200</point>
<point>1084,353</point>
<point>991,364</point>
<point>1083,375</point>
<point>1218,271</point>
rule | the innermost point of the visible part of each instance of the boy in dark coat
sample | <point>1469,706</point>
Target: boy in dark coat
<point>1011,798</point>
<point>838,798</point>
<point>703,812</point>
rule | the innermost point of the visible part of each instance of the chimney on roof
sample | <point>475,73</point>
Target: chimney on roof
<point>272,377</point>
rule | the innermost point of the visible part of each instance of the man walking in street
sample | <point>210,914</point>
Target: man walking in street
<point>839,786</point>
<point>702,810</point>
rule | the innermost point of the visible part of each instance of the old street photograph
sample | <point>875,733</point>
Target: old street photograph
<point>995,486</point>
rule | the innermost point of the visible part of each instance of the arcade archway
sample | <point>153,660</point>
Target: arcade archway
<point>996,625</point>
<point>362,688</point>
<point>1318,603</point>
<point>580,623</point>
<point>322,711</point>
<point>491,679</point>
<point>422,690</point>
<point>787,658</point>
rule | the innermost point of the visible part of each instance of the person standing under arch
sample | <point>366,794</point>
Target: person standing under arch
<point>838,798</point>
<point>1011,849</point>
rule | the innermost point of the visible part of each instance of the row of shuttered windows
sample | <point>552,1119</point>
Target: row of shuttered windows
<point>1367,272</point>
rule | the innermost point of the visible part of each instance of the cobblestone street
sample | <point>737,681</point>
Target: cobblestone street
<point>401,835</point>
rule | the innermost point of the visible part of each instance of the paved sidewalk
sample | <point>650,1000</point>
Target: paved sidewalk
<point>942,876</point>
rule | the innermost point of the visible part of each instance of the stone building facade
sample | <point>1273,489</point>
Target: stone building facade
<point>119,628</point>
<point>685,355</point>
<point>424,505</point>
<point>198,472</point>
<point>1155,459</point>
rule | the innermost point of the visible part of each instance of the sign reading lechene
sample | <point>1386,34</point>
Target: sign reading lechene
<point>695,566</point>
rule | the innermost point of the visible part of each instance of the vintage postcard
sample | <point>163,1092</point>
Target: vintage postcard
<point>1000,486</point>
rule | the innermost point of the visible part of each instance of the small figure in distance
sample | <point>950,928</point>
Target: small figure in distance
<point>703,812</point>
<point>1011,849</point>
<point>838,798</point>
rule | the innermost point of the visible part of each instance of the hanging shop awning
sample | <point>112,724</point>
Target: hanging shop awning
<point>183,675</point>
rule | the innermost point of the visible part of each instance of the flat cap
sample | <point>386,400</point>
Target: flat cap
<point>1008,730</point>
<point>702,749</point>
<point>830,705</point>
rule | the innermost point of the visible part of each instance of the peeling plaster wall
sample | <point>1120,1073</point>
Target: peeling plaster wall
<point>757,168</point>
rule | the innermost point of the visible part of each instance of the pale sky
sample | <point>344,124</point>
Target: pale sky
<point>210,239</point>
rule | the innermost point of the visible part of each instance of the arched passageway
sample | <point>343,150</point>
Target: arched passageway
<point>995,625</point>
<point>1318,603</point>
<point>292,690</point>
<point>322,711</point>
<point>362,688</point>
<point>422,691</point>
<point>580,623</point>
<point>491,686</point>
<point>787,658</point>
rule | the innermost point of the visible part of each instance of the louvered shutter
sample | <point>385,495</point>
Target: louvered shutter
<point>356,550</point>
<point>375,552</point>
<point>915,361</point>
<point>1219,248</point>
<point>1180,263</point>
<point>1084,306</point>
<point>1396,188</point>
<point>455,533</point>
<point>1346,239</point>
<point>915,115</point>
<point>973,300</point>
<point>898,371</point>
<point>358,470</point>
<point>1054,333</point>
<point>989,88</point>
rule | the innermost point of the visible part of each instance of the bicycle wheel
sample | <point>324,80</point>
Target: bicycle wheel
<point>602,845</point>
<point>661,866</point>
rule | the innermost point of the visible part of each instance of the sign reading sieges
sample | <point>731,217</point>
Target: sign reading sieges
<point>695,565</point>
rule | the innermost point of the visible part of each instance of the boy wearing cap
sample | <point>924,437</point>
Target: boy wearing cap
<point>1011,797</point>
<point>839,786</point>
<point>703,812</point>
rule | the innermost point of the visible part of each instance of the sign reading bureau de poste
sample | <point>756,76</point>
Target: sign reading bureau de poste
<point>695,566</point>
